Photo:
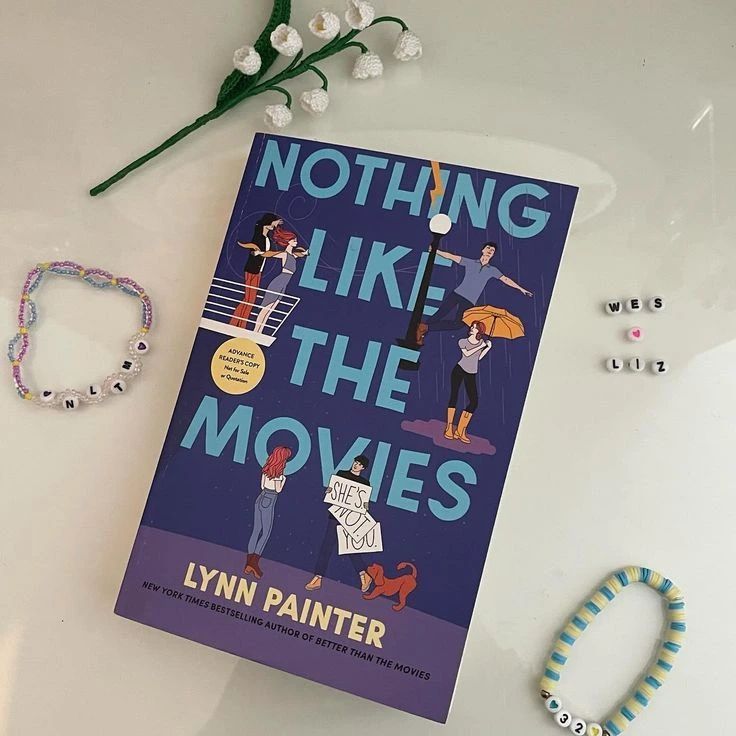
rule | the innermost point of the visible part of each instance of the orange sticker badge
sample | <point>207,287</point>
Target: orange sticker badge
<point>238,366</point>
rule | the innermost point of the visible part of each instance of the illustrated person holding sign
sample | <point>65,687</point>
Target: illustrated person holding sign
<point>330,542</point>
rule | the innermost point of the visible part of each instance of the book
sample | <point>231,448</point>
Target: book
<point>327,489</point>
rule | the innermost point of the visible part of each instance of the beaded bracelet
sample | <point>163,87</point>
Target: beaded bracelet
<point>128,368</point>
<point>644,691</point>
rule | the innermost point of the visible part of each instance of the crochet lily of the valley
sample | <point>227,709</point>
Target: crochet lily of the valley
<point>278,39</point>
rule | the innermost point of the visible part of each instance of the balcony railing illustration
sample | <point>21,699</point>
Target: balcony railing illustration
<point>223,299</point>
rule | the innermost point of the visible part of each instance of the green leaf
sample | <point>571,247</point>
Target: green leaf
<point>236,82</point>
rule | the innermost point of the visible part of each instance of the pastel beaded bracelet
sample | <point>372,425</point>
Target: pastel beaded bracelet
<point>617,722</point>
<point>115,383</point>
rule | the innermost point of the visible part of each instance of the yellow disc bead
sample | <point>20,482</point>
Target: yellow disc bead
<point>23,330</point>
<point>28,395</point>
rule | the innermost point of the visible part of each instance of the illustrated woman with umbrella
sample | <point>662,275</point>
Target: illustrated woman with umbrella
<point>474,347</point>
<point>483,323</point>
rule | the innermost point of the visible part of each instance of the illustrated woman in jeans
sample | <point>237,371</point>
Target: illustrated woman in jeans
<point>273,481</point>
<point>473,347</point>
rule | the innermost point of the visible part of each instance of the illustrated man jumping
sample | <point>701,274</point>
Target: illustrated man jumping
<point>478,272</point>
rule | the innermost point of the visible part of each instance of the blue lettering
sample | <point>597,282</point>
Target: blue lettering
<point>464,192</point>
<point>402,483</point>
<point>537,217</point>
<point>329,466</point>
<point>415,197</point>
<point>447,484</point>
<point>348,267</point>
<point>308,339</point>
<point>369,164</point>
<point>343,173</point>
<point>389,381</point>
<point>282,170</point>
<point>308,279</point>
<point>381,263</point>
<point>215,440</point>
<point>361,376</point>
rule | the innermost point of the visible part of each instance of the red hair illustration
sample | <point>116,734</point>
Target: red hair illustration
<point>282,237</point>
<point>274,466</point>
<point>481,328</point>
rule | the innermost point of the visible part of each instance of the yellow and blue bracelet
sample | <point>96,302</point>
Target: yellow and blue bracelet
<point>617,722</point>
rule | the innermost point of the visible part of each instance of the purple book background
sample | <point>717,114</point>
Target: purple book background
<point>342,376</point>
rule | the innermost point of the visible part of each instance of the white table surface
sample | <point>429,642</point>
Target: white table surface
<point>634,101</point>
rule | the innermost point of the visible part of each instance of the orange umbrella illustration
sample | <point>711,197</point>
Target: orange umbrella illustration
<point>498,322</point>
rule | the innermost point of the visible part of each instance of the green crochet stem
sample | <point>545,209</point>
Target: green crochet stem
<point>298,66</point>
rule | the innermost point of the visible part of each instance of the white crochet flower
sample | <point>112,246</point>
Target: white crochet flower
<point>315,101</point>
<point>368,66</point>
<point>286,40</point>
<point>408,46</point>
<point>325,25</point>
<point>277,116</point>
<point>359,14</point>
<point>247,60</point>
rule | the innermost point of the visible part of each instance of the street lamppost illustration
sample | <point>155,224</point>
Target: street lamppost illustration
<point>439,226</point>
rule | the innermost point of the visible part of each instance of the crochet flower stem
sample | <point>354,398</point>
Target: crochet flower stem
<point>275,88</point>
<point>298,66</point>
<point>320,75</point>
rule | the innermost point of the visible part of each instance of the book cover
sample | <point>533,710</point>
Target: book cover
<point>328,486</point>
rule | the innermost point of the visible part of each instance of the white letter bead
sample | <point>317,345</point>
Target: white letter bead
<point>637,365</point>
<point>141,346</point>
<point>613,307</point>
<point>47,395</point>
<point>94,390</point>
<point>660,367</point>
<point>595,729</point>
<point>633,304</point>
<point>656,304</point>
<point>119,386</point>
<point>578,726</point>
<point>614,365</point>
<point>69,401</point>
<point>553,704</point>
<point>127,365</point>
<point>563,719</point>
<point>635,334</point>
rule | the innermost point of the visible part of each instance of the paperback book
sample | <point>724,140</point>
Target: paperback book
<point>329,482</point>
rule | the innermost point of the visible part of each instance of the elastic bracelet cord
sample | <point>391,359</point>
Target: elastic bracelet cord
<point>618,721</point>
<point>19,344</point>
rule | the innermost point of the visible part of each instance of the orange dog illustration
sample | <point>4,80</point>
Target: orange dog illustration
<point>403,584</point>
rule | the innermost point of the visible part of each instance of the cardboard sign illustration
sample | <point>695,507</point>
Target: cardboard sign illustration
<point>371,542</point>
<point>347,494</point>
<point>355,523</point>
